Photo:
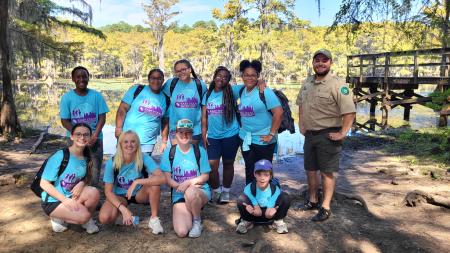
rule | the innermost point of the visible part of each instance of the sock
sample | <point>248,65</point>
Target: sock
<point>226,189</point>
<point>197,219</point>
<point>217,190</point>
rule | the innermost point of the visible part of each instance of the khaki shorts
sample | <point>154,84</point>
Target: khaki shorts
<point>320,152</point>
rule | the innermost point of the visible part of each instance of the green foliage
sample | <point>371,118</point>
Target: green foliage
<point>438,99</point>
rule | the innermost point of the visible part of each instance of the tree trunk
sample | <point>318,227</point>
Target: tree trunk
<point>9,124</point>
<point>161,52</point>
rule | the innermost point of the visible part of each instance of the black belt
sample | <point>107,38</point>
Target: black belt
<point>323,131</point>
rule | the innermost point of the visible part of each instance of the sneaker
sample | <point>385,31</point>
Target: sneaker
<point>155,225</point>
<point>322,215</point>
<point>196,229</point>
<point>216,197</point>
<point>58,225</point>
<point>243,226</point>
<point>90,227</point>
<point>280,226</point>
<point>224,198</point>
<point>307,206</point>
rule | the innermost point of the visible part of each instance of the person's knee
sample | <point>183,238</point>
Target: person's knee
<point>192,193</point>
<point>92,193</point>
<point>328,175</point>
<point>181,232</point>
<point>228,164</point>
<point>285,200</point>
<point>83,217</point>
<point>154,189</point>
<point>105,218</point>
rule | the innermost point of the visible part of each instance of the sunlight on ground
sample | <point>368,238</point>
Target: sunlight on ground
<point>363,246</point>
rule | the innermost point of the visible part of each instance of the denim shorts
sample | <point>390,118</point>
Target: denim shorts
<point>225,148</point>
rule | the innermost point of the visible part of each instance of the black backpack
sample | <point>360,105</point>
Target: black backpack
<point>141,87</point>
<point>36,184</point>
<point>274,183</point>
<point>287,122</point>
<point>197,83</point>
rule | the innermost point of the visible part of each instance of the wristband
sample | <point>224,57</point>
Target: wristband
<point>119,205</point>
<point>271,134</point>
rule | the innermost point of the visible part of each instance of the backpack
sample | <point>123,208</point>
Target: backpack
<point>143,171</point>
<point>197,83</point>
<point>141,87</point>
<point>35,185</point>
<point>273,183</point>
<point>173,151</point>
<point>287,122</point>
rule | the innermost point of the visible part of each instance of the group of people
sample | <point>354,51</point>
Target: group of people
<point>199,126</point>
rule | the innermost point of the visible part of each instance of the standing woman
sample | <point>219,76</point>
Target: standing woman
<point>127,181</point>
<point>220,131</point>
<point>144,110</point>
<point>68,198</point>
<point>186,168</point>
<point>259,121</point>
<point>185,94</point>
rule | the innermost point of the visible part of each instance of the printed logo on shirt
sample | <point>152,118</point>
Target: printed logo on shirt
<point>180,175</point>
<point>149,109</point>
<point>123,183</point>
<point>344,90</point>
<point>246,111</point>
<point>215,107</point>
<point>69,181</point>
<point>186,100</point>
<point>83,113</point>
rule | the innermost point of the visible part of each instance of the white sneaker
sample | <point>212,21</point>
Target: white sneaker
<point>58,225</point>
<point>155,225</point>
<point>244,226</point>
<point>90,227</point>
<point>281,226</point>
<point>224,197</point>
<point>196,229</point>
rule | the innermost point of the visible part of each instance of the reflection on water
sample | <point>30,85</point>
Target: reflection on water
<point>38,107</point>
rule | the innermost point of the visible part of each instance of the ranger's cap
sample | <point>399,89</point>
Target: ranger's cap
<point>324,52</point>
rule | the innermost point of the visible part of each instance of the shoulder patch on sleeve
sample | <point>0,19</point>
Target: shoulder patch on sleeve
<point>344,90</point>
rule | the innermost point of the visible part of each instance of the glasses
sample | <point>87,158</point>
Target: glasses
<point>181,70</point>
<point>221,77</point>
<point>250,76</point>
<point>156,79</point>
<point>79,135</point>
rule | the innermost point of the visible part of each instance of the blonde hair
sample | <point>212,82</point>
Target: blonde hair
<point>118,157</point>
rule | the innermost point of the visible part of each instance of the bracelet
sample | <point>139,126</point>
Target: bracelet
<point>119,205</point>
<point>271,134</point>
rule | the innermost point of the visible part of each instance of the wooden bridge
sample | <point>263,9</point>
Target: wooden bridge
<point>390,79</point>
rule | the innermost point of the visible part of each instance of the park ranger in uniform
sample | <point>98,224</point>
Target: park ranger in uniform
<point>326,114</point>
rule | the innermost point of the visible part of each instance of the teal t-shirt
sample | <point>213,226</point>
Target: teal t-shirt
<point>185,167</point>
<point>255,117</point>
<point>83,109</point>
<point>263,198</point>
<point>184,104</point>
<point>217,127</point>
<point>72,175</point>
<point>127,174</point>
<point>145,113</point>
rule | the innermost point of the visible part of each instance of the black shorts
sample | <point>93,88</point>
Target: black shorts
<point>225,148</point>
<point>132,200</point>
<point>49,207</point>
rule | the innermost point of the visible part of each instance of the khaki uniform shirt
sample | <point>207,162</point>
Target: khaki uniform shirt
<point>324,102</point>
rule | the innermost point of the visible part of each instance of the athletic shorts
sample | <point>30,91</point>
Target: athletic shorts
<point>225,148</point>
<point>49,207</point>
<point>320,152</point>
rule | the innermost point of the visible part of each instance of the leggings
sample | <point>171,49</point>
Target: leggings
<point>256,153</point>
<point>283,202</point>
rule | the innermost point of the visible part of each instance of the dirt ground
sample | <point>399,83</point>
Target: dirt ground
<point>381,179</point>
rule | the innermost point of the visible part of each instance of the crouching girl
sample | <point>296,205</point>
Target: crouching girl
<point>67,196</point>
<point>186,168</point>
<point>131,177</point>
<point>263,201</point>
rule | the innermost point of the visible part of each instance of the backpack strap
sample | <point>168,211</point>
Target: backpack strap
<point>253,188</point>
<point>173,84</point>
<point>273,187</point>
<point>199,88</point>
<point>167,101</point>
<point>208,93</point>
<point>196,153</point>
<point>62,167</point>
<point>138,91</point>
<point>241,91</point>
<point>173,149</point>
<point>144,171</point>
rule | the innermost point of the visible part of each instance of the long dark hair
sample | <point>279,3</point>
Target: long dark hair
<point>188,63</point>
<point>86,153</point>
<point>228,99</point>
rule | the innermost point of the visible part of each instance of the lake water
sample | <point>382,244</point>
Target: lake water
<point>38,107</point>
